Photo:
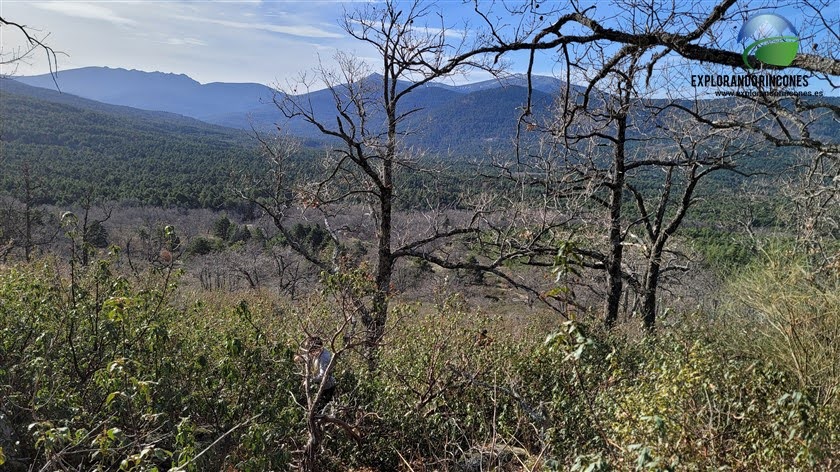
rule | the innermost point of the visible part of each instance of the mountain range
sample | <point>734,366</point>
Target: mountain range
<point>180,141</point>
<point>478,116</point>
<point>451,121</point>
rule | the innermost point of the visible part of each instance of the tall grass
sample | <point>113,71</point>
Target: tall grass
<point>787,312</point>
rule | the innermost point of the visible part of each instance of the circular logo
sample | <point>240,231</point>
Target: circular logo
<point>772,38</point>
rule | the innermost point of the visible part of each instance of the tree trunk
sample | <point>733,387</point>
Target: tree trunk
<point>615,285</point>
<point>313,443</point>
<point>384,268</point>
<point>85,245</point>
<point>27,213</point>
<point>385,259</point>
<point>650,289</point>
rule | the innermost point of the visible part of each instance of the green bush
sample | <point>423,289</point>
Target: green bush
<point>98,371</point>
<point>201,246</point>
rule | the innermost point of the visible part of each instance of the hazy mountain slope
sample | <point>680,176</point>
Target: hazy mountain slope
<point>463,119</point>
<point>159,118</point>
<point>456,121</point>
<point>156,91</point>
<point>487,117</point>
<point>545,84</point>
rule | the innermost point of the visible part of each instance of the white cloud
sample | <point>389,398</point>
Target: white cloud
<point>85,10</point>
<point>304,31</point>
<point>185,42</point>
<point>211,41</point>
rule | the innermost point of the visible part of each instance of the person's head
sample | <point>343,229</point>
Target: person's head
<point>314,344</point>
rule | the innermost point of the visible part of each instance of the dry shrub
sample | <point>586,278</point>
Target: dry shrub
<point>786,312</point>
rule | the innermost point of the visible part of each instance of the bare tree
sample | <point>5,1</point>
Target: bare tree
<point>13,59</point>
<point>666,29</point>
<point>621,53</point>
<point>341,339</point>
<point>692,36</point>
<point>367,126</point>
<point>647,141</point>
<point>23,222</point>
<point>615,52</point>
<point>94,234</point>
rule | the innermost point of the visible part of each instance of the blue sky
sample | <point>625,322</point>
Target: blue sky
<point>236,41</point>
<point>268,41</point>
<point>211,41</point>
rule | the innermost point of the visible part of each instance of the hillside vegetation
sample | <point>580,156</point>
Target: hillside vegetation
<point>148,158</point>
<point>104,371</point>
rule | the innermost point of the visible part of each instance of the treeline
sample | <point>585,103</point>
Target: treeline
<point>73,148</point>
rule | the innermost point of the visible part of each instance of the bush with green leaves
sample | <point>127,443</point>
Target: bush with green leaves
<point>99,371</point>
<point>103,372</point>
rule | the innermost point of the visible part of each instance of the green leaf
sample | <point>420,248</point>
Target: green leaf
<point>115,433</point>
<point>162,454</point>
<point>111,396</point>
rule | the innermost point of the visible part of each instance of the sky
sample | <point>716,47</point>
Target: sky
<point>211,41</point>
<point>265,41</point>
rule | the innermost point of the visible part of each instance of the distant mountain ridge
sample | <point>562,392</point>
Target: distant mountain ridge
<point>13,87</point>
<point>79,141</point>
<point>545,84</point>
<point>453,118</point>
<point>157,91</point>
<point>450,120</point>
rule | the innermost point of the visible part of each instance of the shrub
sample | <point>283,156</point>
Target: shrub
<point>101,372</point>
<point>96,373</point>
<point>200,246</point>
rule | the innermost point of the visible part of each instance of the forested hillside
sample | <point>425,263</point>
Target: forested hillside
<point>456,121</point>
<point>73,146</point>
<point>69,142</point>
<point>80,148</point>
